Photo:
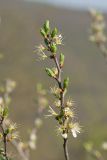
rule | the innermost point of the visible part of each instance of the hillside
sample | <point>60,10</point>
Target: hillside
<point>19,33</point>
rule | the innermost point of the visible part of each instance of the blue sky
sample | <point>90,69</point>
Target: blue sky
<point>99,4</point>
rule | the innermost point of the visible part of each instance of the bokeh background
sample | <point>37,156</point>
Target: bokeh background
<point>19,33</point>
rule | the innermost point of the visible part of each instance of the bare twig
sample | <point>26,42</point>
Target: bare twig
<point>66,149</point>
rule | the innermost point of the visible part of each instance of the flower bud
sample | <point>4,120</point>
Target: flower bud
<point>62,57</point>
<point>64,135</point>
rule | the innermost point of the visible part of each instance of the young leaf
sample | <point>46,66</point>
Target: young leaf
<point>50,72</point>
<point>54,32</point>
<point>66,82</point>
<point>53,48</point>
<point>46,42</point>
<point>47,27</point>
<point>5,112</point>
<point>62,57</point>
<point>43,33</point>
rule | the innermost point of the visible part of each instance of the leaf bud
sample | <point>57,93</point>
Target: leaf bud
<point>54,32</point>
<point>62,57</point>
<point>50,72</point>
<point>53,48</point>
<point>47,27</point>
<point>65,83</point>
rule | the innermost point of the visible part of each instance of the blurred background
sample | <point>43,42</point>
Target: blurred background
<point>20,22</point>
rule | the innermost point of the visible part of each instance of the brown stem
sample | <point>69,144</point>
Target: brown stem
<point>62,102</point>
<point>66,149</point>
<point>5,147</point>
<point>58,79</point>
<point>58,67</point>
<point>4,139</point>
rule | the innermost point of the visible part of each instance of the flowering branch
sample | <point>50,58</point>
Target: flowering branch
<point>23,148</point>
<point>65,116</point>
<point>98,37</point>
<point>98,31</point>
<point>7,128</point>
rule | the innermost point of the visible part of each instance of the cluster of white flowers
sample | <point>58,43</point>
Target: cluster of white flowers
<point>32,141</point>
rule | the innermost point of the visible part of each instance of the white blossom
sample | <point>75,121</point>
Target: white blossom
<point>75,130</point>
<point>104,145</point>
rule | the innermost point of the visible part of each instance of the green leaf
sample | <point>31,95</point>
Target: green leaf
<point>62,57</point>
<point>47,26</point>
<point>5,112</point>
<point>50,72</point>
<point>43,33</point>
<point>46,42</point>
<point>66,82</point>
<point>54,32</point>
<point>53,48</point>
<point>7,131</point>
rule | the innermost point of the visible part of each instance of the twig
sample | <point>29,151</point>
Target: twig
<point>58,79</point>
<point>66,149</point>
<point>20,151</point>
<point>4,139</point>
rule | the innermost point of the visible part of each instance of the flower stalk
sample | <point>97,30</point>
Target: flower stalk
<point>64,116</point>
